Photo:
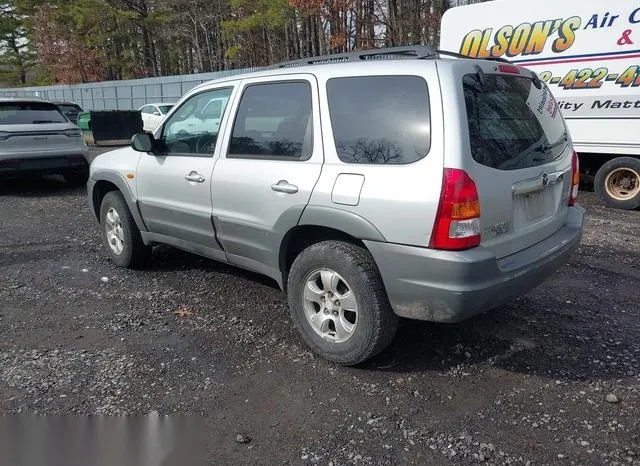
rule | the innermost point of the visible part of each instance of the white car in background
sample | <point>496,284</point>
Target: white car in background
<point>206,120</point>
<point>153,114</point>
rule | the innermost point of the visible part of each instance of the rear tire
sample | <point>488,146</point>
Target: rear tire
<point>338,302</point>
<point>617,183</point>
<point>120,233</point>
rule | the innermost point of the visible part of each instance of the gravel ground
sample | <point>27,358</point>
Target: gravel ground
<point>552,378</point>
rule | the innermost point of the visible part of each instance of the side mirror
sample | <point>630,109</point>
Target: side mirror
<point>142,142</point>
<point>157,113</point>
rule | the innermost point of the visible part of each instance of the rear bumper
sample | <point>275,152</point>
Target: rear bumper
<point>444,286</point>
<point>56,163</point>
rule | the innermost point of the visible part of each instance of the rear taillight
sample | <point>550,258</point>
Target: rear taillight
<point>575,178</point>
<point>457,223</point>
<point>73,133</point>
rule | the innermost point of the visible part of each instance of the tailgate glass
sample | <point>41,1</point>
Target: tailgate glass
<point>512,124</point>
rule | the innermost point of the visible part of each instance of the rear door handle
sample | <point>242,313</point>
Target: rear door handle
<point>194,177</point>
<point>283,186</point>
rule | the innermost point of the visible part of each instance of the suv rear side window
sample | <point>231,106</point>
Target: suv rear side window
<point>273,122</point>
<point>380,119</point>
<point>69,108</point>
<point>29,113</point>
<point>512,124</point>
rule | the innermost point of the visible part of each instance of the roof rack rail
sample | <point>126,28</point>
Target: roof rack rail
<point>459,55</point>
<point>415,52</point>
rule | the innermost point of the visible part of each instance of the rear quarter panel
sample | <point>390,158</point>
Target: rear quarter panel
<point>399,200</point>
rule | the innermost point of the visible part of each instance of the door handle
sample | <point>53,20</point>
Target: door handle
<point>283,186</point>
<point>195,177</point>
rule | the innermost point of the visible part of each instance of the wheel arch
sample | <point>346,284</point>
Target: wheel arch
<point>104,182</point>
<point>319,224</point>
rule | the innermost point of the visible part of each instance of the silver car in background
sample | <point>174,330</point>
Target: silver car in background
<point>36,138</point>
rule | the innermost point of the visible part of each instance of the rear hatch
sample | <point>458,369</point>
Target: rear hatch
<point>33,129</point>
<point>521,155</point>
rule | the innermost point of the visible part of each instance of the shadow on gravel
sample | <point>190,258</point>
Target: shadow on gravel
<point>13,254</point>
<point>169,259</point>
<point>524,337</point>
<point>34,186</point>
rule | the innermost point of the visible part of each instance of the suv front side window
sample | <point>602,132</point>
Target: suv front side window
<point>274,121</point>
<point>380,119</point>
<point>193,128</point>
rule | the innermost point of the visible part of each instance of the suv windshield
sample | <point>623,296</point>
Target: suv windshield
<point>28,113</point>
<point>512,123</point>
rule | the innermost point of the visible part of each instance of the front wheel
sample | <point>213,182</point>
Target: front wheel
<point>339,304</point>
<point>121,234</point>
<point>617,183</point>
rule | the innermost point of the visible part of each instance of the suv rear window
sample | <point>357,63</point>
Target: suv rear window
<point>380,119</point>
<point>29,113</point>
<point>512,123</point>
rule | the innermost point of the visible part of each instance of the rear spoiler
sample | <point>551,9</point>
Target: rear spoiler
<point>481,74</point>
<point>459,55</point>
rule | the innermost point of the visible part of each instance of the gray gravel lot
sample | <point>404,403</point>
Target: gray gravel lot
<point>553,378</point>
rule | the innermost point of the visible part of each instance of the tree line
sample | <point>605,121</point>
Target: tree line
<point>77,41</point>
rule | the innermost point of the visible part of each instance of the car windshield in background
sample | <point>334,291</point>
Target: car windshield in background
<point>29,113</point>
<point>512,123</point>
<point>165,108</point>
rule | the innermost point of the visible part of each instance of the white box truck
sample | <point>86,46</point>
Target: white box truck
<point>588,53</point>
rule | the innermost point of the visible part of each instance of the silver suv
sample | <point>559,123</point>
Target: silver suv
<point>36,138</point>
<point>372,185</point>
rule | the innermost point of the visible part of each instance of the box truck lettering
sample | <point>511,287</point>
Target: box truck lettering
<point>531,38</point>
<point>524,39</point>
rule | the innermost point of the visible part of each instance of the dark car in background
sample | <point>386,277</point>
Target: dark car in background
<point>70,109</point>
<point>37,139</point>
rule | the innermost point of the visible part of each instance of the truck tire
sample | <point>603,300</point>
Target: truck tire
<point>338,302</point>
<point>617,183</point>
<point>120,233</point>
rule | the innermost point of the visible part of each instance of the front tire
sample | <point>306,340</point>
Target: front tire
<point>120,233</point>
<point>617,183</point>
<point>338,302</point>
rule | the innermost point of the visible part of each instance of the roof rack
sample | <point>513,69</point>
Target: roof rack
<point>416,52</point>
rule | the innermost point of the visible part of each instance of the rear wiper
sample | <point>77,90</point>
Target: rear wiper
<point>547,147</point>
<point>36,122</point>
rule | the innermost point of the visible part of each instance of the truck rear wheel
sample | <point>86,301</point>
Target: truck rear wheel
<point>617,183</point>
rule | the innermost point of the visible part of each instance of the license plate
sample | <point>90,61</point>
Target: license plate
<point>534,205</point>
